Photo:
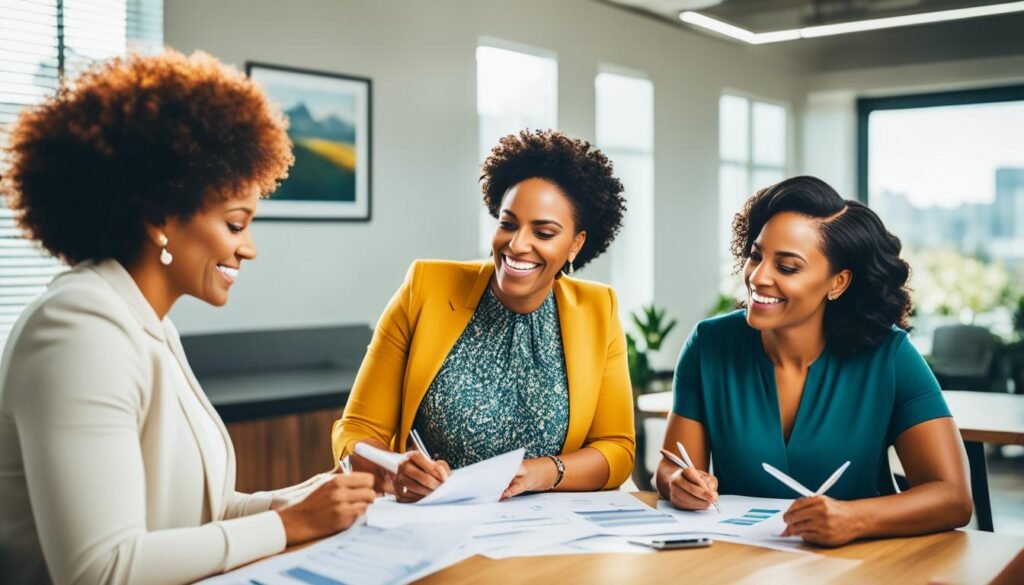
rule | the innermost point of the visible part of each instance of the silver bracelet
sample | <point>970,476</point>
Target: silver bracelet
<point>561,470</point>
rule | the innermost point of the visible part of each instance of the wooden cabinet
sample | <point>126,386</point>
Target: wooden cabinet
<point>280,451</point>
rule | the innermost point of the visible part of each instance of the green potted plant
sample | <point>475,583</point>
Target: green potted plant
<point>653,328</point>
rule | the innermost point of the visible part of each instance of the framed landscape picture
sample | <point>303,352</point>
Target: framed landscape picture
<point>329,116</point>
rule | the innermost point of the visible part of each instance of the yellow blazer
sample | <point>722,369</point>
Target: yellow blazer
<point>426,317</point>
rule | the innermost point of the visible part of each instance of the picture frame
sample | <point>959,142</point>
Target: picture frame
<point>330,124</point>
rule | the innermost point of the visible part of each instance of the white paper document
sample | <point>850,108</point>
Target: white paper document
<point>385,512</point>
<point>480,483</point>
<point>387,459</point>
<point>610,513</point>
<point>362,555</point>
<point>745,520</point>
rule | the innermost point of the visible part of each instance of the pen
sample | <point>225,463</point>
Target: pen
<point>346,465</point>
<point>419,443</point>
<point>799,487</point>
<point>683,465</point>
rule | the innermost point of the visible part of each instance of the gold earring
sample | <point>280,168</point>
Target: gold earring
<point>165,257</point>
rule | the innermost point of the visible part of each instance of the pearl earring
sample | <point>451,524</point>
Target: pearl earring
<point>165,257</point>
<point>572,270</point>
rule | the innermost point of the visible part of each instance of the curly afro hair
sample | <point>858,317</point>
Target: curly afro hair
<point>852,237</point>
<point>582,173</point>
<point>139,140</point>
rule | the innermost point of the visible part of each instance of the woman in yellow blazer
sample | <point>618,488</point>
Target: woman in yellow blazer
<point>485,357</point>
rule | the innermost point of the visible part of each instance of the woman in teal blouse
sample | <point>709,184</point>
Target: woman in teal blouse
<point>816,371</point>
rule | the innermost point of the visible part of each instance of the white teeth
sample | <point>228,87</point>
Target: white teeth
<point>763,299</point>
<point>520,265</point>
<point>230,272</point>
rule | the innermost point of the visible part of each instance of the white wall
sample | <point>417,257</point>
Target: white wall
<point>830,114</point>
<point>421,57</point>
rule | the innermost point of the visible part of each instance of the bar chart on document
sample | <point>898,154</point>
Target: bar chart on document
<point>751,517</point>
<point>623,518</point>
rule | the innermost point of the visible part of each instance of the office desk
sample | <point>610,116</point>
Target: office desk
<point>981,416</point>
<point>960,556</point>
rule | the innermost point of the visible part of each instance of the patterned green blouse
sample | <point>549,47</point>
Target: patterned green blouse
<point>503,386</point>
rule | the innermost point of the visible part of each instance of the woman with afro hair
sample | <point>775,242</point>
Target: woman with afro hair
<point>816,371</point>
<point>482,358</point>
<point>143,175</point>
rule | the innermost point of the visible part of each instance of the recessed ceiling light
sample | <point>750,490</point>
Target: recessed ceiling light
<point>742,34</point>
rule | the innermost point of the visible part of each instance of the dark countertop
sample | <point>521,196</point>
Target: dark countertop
<point>247,396</point>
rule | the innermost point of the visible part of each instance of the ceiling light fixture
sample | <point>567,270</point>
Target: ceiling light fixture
<point>752,38</point>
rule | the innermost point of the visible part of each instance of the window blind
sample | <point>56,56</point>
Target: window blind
<point>44,43</point>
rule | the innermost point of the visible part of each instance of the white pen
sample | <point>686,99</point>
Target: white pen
<point>419,444</point>
<point>422,447</point>
<point>683,464</point>
<point>832,480</point>
<point>799,487</point>
<point>346,465</point>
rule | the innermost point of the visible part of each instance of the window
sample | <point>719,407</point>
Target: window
<point>42,42</point>
<point>516,89</point>
<point>625,133</point>
<point>946,174</point>
<point>753,151</point>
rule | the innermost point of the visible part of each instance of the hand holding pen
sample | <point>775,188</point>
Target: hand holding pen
<point>691,488</point>
<point>419,474</point>
<point>817,518</point>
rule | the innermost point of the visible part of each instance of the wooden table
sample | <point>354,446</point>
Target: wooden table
<point>982,417</point>
<point>959,556</point>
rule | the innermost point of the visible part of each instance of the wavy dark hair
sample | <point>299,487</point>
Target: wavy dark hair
<point>581,172</point>
<point>852,238</point>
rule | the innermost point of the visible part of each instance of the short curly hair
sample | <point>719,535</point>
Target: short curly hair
<point>852,237</point>
<point>581,172</point>
<point>138,140</point>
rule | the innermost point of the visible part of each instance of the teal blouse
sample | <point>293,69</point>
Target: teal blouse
<point>503,386</point>
<point>852,409</point>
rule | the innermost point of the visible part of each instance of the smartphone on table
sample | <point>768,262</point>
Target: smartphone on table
<point>674,543</point>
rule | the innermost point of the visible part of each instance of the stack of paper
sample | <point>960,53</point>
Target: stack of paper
<point>362,555</point>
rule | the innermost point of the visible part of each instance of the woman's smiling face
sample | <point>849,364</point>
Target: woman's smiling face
<point>787,276</point>
<point>535,237</point>
<point>208,249</point>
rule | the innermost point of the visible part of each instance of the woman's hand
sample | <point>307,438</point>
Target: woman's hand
<point>823,521</point>
<point>333,506</point>
<point>383,480</point>
<point>534,475</point>
<point>418,476</point>
<point>693,489</point>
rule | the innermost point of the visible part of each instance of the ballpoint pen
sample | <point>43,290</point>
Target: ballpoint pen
<point>683,465</point>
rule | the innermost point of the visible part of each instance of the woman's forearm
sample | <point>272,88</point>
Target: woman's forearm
<point>929,507</point>
<point>585,470</point>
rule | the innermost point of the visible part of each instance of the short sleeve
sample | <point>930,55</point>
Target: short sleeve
<point>688,399</point>
<point>918,395</point>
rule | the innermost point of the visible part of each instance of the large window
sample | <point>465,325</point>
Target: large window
<point>625,133</point>
<point>517,88</point>
<point>946,174</point>
<point>753,151</point>
<point>42,43</point>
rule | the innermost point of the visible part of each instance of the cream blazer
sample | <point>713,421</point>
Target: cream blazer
<point>102,471</point>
